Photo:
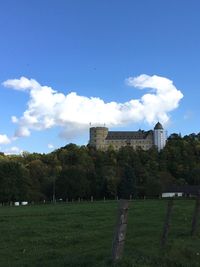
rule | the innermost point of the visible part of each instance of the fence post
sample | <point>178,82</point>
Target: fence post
<point>167,223</point>
<point>120,231</point>
<point>195,215</point>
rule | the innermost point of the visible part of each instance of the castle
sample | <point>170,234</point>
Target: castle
<point>101,138</point>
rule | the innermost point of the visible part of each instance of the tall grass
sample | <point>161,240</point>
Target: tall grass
<point>80,234</point>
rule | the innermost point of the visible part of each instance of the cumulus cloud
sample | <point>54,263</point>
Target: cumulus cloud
<point>14,119</point>
<point>164,98</point>
<point>47,108</point>
<point>50,146</point>
<point>13,150</point>
<point>4,140</point>
<point>21,84</point>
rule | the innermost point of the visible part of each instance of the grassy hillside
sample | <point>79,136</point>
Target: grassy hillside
<point>81,235</point>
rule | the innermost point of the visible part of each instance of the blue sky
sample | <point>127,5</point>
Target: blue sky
<point>92,48</point>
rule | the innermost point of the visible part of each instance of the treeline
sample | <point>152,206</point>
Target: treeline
<point>73,172</point>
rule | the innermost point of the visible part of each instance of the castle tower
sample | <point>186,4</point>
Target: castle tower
<point>159,136</point>
<point>98,136</point>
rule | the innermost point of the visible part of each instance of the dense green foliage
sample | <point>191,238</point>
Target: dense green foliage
<point>80,235</point>
<point>74,172</point>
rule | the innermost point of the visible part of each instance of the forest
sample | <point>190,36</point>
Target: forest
<point>79,172</point>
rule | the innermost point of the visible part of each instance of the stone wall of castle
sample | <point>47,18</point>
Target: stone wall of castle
<point>100,138</point>
<point>144,144</point>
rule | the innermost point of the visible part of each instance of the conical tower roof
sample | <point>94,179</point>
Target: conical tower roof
<point>158,126</point>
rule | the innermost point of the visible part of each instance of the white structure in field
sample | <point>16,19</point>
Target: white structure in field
<point>172,194</point>
<point>102,138</point>
<point>181,191</point>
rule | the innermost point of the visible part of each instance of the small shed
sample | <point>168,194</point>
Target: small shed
<point>181,191</point>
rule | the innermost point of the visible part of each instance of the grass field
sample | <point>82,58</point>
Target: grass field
<point>80,234</point>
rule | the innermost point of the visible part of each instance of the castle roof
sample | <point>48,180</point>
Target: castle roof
<point>121,135</point>
<point>158,126</point>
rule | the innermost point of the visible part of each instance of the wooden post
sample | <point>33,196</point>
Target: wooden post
<point>196,216</point>
<point>120,231</point>
<point>92,199</point>
<point>167,223</point>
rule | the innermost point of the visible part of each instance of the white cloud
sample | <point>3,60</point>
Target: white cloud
<point>4,140</point>
<point>13,150</point>
<point>22,131</point>
<point>47,108</point>
<point>14,119</point>
<point>50,146</point>
<point>21,84</point>
<point>157,105</point>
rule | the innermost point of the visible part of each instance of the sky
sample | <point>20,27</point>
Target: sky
<point>69,64</point>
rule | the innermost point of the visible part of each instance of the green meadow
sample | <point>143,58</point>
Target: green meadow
<point>80,234</point>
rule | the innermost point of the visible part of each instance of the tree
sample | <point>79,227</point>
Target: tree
<point>39,179</point>
<point>127,184</point>
<point>72,183</point>
<point>15,183</point>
